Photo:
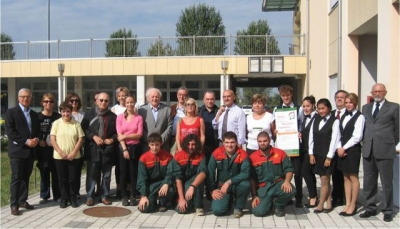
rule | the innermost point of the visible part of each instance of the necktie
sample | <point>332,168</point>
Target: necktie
<point>225,123</point>
<point>28,119</point>
<point>376,110</point>
<point>325,118</point>
<point>338,114</point>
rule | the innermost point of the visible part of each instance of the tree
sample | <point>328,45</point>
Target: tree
<point>245,95</point>
<point>256,45</point>
<point>200,20</point>
<point>7,50</point>
<point>158,49</point>
<point>129,43</point>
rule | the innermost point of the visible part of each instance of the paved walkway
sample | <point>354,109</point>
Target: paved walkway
<point>51,216</point>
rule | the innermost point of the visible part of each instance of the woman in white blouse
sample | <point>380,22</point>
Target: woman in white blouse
<point>349,152</point>
<point>259,121</point>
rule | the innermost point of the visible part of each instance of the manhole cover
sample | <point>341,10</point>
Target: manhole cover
<point>107,211</point>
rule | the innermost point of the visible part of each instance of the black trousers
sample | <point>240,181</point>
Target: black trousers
<point>337,183</point>
<point>79,175</point>
<point>21,170</point>
<point>298,179</point>
<point>67,177</point>
<point>309,176</point>
<point>129,169</point>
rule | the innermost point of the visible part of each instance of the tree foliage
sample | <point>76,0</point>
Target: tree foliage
<point>116,47</point>
<point>256,45</point>
<point>200,20</point>
<point>7,50</point>
<point>246,93</point>
<point>159,49</point>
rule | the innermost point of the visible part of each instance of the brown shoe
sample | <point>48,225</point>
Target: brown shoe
<point>105,201</point>
<point>26,205</point>
<point>89,202</point>
<point>14,210</point>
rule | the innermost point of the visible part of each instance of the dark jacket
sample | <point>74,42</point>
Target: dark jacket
<point>18,132</point>
<point>210,133</point>
<point>105,153</point>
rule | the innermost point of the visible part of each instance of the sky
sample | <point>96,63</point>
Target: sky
<point>83,19</point>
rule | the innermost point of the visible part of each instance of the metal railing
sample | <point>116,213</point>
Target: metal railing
<point>155,46</point>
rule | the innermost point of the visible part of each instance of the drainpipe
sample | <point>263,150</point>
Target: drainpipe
<point>340,46</point>
<point>308,49</point>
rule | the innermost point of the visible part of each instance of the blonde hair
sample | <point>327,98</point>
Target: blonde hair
<point>195,105</point>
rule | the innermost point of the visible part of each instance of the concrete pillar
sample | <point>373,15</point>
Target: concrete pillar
<point>223,87</point>
<point>140,90</point>
<point>12,92</point>
<point>78,85</point>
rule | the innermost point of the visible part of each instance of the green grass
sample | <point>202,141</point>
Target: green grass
<point>6,177</point>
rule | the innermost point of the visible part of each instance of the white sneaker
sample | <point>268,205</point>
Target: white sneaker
<point>199,212</point>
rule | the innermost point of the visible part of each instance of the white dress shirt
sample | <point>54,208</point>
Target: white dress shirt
<point>357,135</point>
<point>236,123</point>
<point>335,138</point>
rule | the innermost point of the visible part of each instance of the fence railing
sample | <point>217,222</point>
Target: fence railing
<point>155,46</point>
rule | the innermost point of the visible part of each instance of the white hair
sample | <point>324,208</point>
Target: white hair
<point>151,89</point>
<point>24,89</point>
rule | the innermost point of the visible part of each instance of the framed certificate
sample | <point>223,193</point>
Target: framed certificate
<point>287,138</point>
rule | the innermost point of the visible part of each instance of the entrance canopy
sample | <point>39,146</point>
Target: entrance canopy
<point>279,5</point>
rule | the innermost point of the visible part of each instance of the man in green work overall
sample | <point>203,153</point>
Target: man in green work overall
<point>229,171</point>
<point>271,173</point>
<point>153,180</point>
<point>190,170</point>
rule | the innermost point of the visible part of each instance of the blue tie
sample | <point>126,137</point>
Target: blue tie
<point>376,110</point>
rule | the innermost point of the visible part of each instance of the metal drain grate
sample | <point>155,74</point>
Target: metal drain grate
<point>106,212</point>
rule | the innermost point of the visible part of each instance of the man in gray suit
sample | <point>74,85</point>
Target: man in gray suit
<point>157,119</point>
<point>381,136</point>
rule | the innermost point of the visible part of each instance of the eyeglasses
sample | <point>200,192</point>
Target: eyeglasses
<point>48,101</point>
<point>190,104</point>
<point>25,97</point>
<point>103,100</point>
<point>74,100</point>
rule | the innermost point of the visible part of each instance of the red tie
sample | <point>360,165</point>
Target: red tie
<point>338,114</point>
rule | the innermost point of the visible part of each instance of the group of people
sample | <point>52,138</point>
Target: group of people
<point>175,154</point>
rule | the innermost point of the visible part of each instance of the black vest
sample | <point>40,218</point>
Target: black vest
<point>347,132</point>
<point>305,133</point>
<point>322,138</point>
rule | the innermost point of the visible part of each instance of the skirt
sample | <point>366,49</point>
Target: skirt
<point>351,163</point>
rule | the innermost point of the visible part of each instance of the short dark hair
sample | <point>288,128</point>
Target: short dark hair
<point>326,102</point>
<point>65,105</point>
<point>189,138</point>
<point>154,137</point>
<point>341,91</point>
<point>263,134</point>
<point>229,135</point>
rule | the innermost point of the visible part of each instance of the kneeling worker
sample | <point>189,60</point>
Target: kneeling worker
<point>232,179</point>
<point>271,173</point>
<point>153,180</point>
<point>190,170</point>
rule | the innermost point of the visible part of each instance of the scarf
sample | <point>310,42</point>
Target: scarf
<point>100,115</point>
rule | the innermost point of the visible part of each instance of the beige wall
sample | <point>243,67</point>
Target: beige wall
<point>318,48</point>
<point>141,66</point>
<point>361,11</point>
<point>333,41</point>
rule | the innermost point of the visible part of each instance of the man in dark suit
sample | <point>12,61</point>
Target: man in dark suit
<point>22,128</point>
<point>157,119</point>
<point>337,175</point>
<point>381,136</point>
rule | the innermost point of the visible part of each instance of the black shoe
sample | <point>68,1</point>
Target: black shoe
<point>74,204</point>
<point>351,214</point>
<point>132,201</point>
<point>290,202</point>
<point>162,208</point>
<point>316,211</point>
<point>279,213</point>
<point>387,217</point>
<point>327,210</point>
<point>26,205</point>
<point>63,203</point>
<point>125,201</point>
<point>367,214</point>
<point>308,205</point>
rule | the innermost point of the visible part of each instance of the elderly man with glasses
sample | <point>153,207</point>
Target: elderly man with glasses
<point>99,125</point>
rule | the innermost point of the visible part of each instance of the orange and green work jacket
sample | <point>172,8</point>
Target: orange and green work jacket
<point>236,168</point>
<point>185,167</point>
<point>153,168</point>
<point>268,171</point>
